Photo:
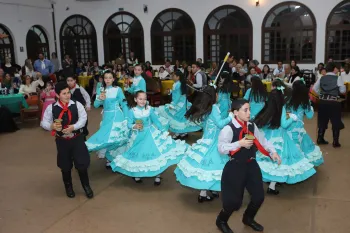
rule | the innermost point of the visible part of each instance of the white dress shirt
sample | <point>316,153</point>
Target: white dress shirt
<point>225,144</point>
<point>340,83</point>
<point>48,117</point>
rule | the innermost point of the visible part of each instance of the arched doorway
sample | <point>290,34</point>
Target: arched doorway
<point>6,45</point>
<point>123,33</point>
<point>37,42</point>
<point>227,29</point>
<point>289,33</point>
<point>173,37</point>
<point>338,32</point>
<point>78,39</point>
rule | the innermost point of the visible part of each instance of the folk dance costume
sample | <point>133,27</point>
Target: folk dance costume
<point>329,108</point>
<point>224,104</point>
<point>79,94</point>
<point>242,171</point>
<point>71,147</point>
<point>175,112</point>
<point>202,166</point>
<point>138,84</point>
<point>255,106</point>
<point>294,167</point>
<point>113,132</point>
<point>301,138</point>
<point>150,150</point>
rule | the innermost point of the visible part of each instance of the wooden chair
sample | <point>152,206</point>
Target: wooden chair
<point>33,111</point>
<point>154,95</point>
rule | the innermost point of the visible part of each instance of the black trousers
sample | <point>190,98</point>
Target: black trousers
<point>236,176</point>
<point>329,110</point>
<point>72,151</point>
<point>85,128</point>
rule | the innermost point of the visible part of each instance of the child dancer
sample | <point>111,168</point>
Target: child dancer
<point>138,82</point>
<point>66,118</point>
<point>240,140</point>
<point>176,110</point>
<point>79,94</point>
<point>257,96</point>
<point>273,120</point>
<point>226,87</point>
<point>202,167</point>
<point>48,96</point>
<point>113,132</point>
<point>300,105</point>
<point>150,150</point>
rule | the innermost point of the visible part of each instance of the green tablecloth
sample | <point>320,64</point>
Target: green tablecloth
<point>12,102</point>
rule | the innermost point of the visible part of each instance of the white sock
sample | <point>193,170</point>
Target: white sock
<point>183,134</point>
<point>176,135</point>
<point>108,164</point>
<point>272,185</point>
<point>203,193</point>
<point>137,178</point>
<point>157,178</point>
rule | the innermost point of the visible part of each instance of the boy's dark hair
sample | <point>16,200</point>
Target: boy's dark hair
<point>237,104</point>
<point>60,86</point>
<point>331,66</point>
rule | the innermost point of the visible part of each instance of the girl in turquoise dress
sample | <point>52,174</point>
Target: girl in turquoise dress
<point>150,150</point>
<point>300,105</point>
<point>225,87</point>
<point>113,132</point>
<point>273,121</point>
<point>138,82</point>
<point>202,166</point>
<point>176,110</point>
<point>257,96</point>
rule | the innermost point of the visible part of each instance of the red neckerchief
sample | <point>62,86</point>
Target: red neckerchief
<point>256,142</point>
<point>64,109</point>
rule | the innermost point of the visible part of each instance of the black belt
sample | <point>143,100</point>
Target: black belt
<point>328,97</point>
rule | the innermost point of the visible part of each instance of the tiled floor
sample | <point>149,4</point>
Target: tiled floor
<point>32,197</point>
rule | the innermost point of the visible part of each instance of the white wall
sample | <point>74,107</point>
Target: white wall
<point>99,11</point>
<point>19,16</point>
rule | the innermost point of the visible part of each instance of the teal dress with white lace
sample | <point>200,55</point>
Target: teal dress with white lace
<point>202,166</point>
<point>150,151</point>
<point>294,167</point>
<point>113,132</point>
<point>224,104</point>
<point>255,106</point>
<point>138,84</point>
<point>175,112</point>
<point>302,139</point>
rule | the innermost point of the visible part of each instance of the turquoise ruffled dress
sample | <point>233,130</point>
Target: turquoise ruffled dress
<point>202,166</point>
<point>113,132</point>
<point>150,151</point>
<point>302,139</point>
<point>255,107</point>
<point>175,112</point>
<point>294,167</point>
<point>224,104</point>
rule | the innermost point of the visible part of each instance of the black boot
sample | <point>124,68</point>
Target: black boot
<point>320,137</point>
<point>84,179</point>
<point>67,180</point>
<point>336,134</point>
<point>221,222</point>
<point>249,215</point>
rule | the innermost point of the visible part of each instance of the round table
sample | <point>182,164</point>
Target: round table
<point>166,85</point>
<point>84,80</point>
<point>13,102</point>
<point>268,85</point>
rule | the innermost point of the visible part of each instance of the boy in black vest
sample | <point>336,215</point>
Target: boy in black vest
<point>241,140</point>
<point>78,93</point>
<point>65,119</point>
<point>329,108</point>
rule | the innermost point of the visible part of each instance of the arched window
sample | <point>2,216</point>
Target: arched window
<point>123,33</point>
<point>78,39</point>
<point>338,32</point>
<point>37,42</point>
<point>173,37</point>
<point>6,45</point>
<point>227,29</point>
<point>289,33</point>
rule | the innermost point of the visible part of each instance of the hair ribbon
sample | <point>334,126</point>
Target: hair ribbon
<point>281,88</point>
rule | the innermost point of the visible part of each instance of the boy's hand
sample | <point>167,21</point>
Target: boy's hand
<point>246,143</point>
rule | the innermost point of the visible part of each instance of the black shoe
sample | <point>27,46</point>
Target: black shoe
<point>336,145</point>
<point>88,191</point>
<point>279,184</point>
<point>320,137</point>
<point>202,199</point>
<point>108,166</point>
<point>223,226</point>
<point>336,134</point>
<point>69,190</point>
<point>273,192</point>
<point>215,194</point>
<point>254,225</point>
<point>157,183</point>
<point>137,181</point>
